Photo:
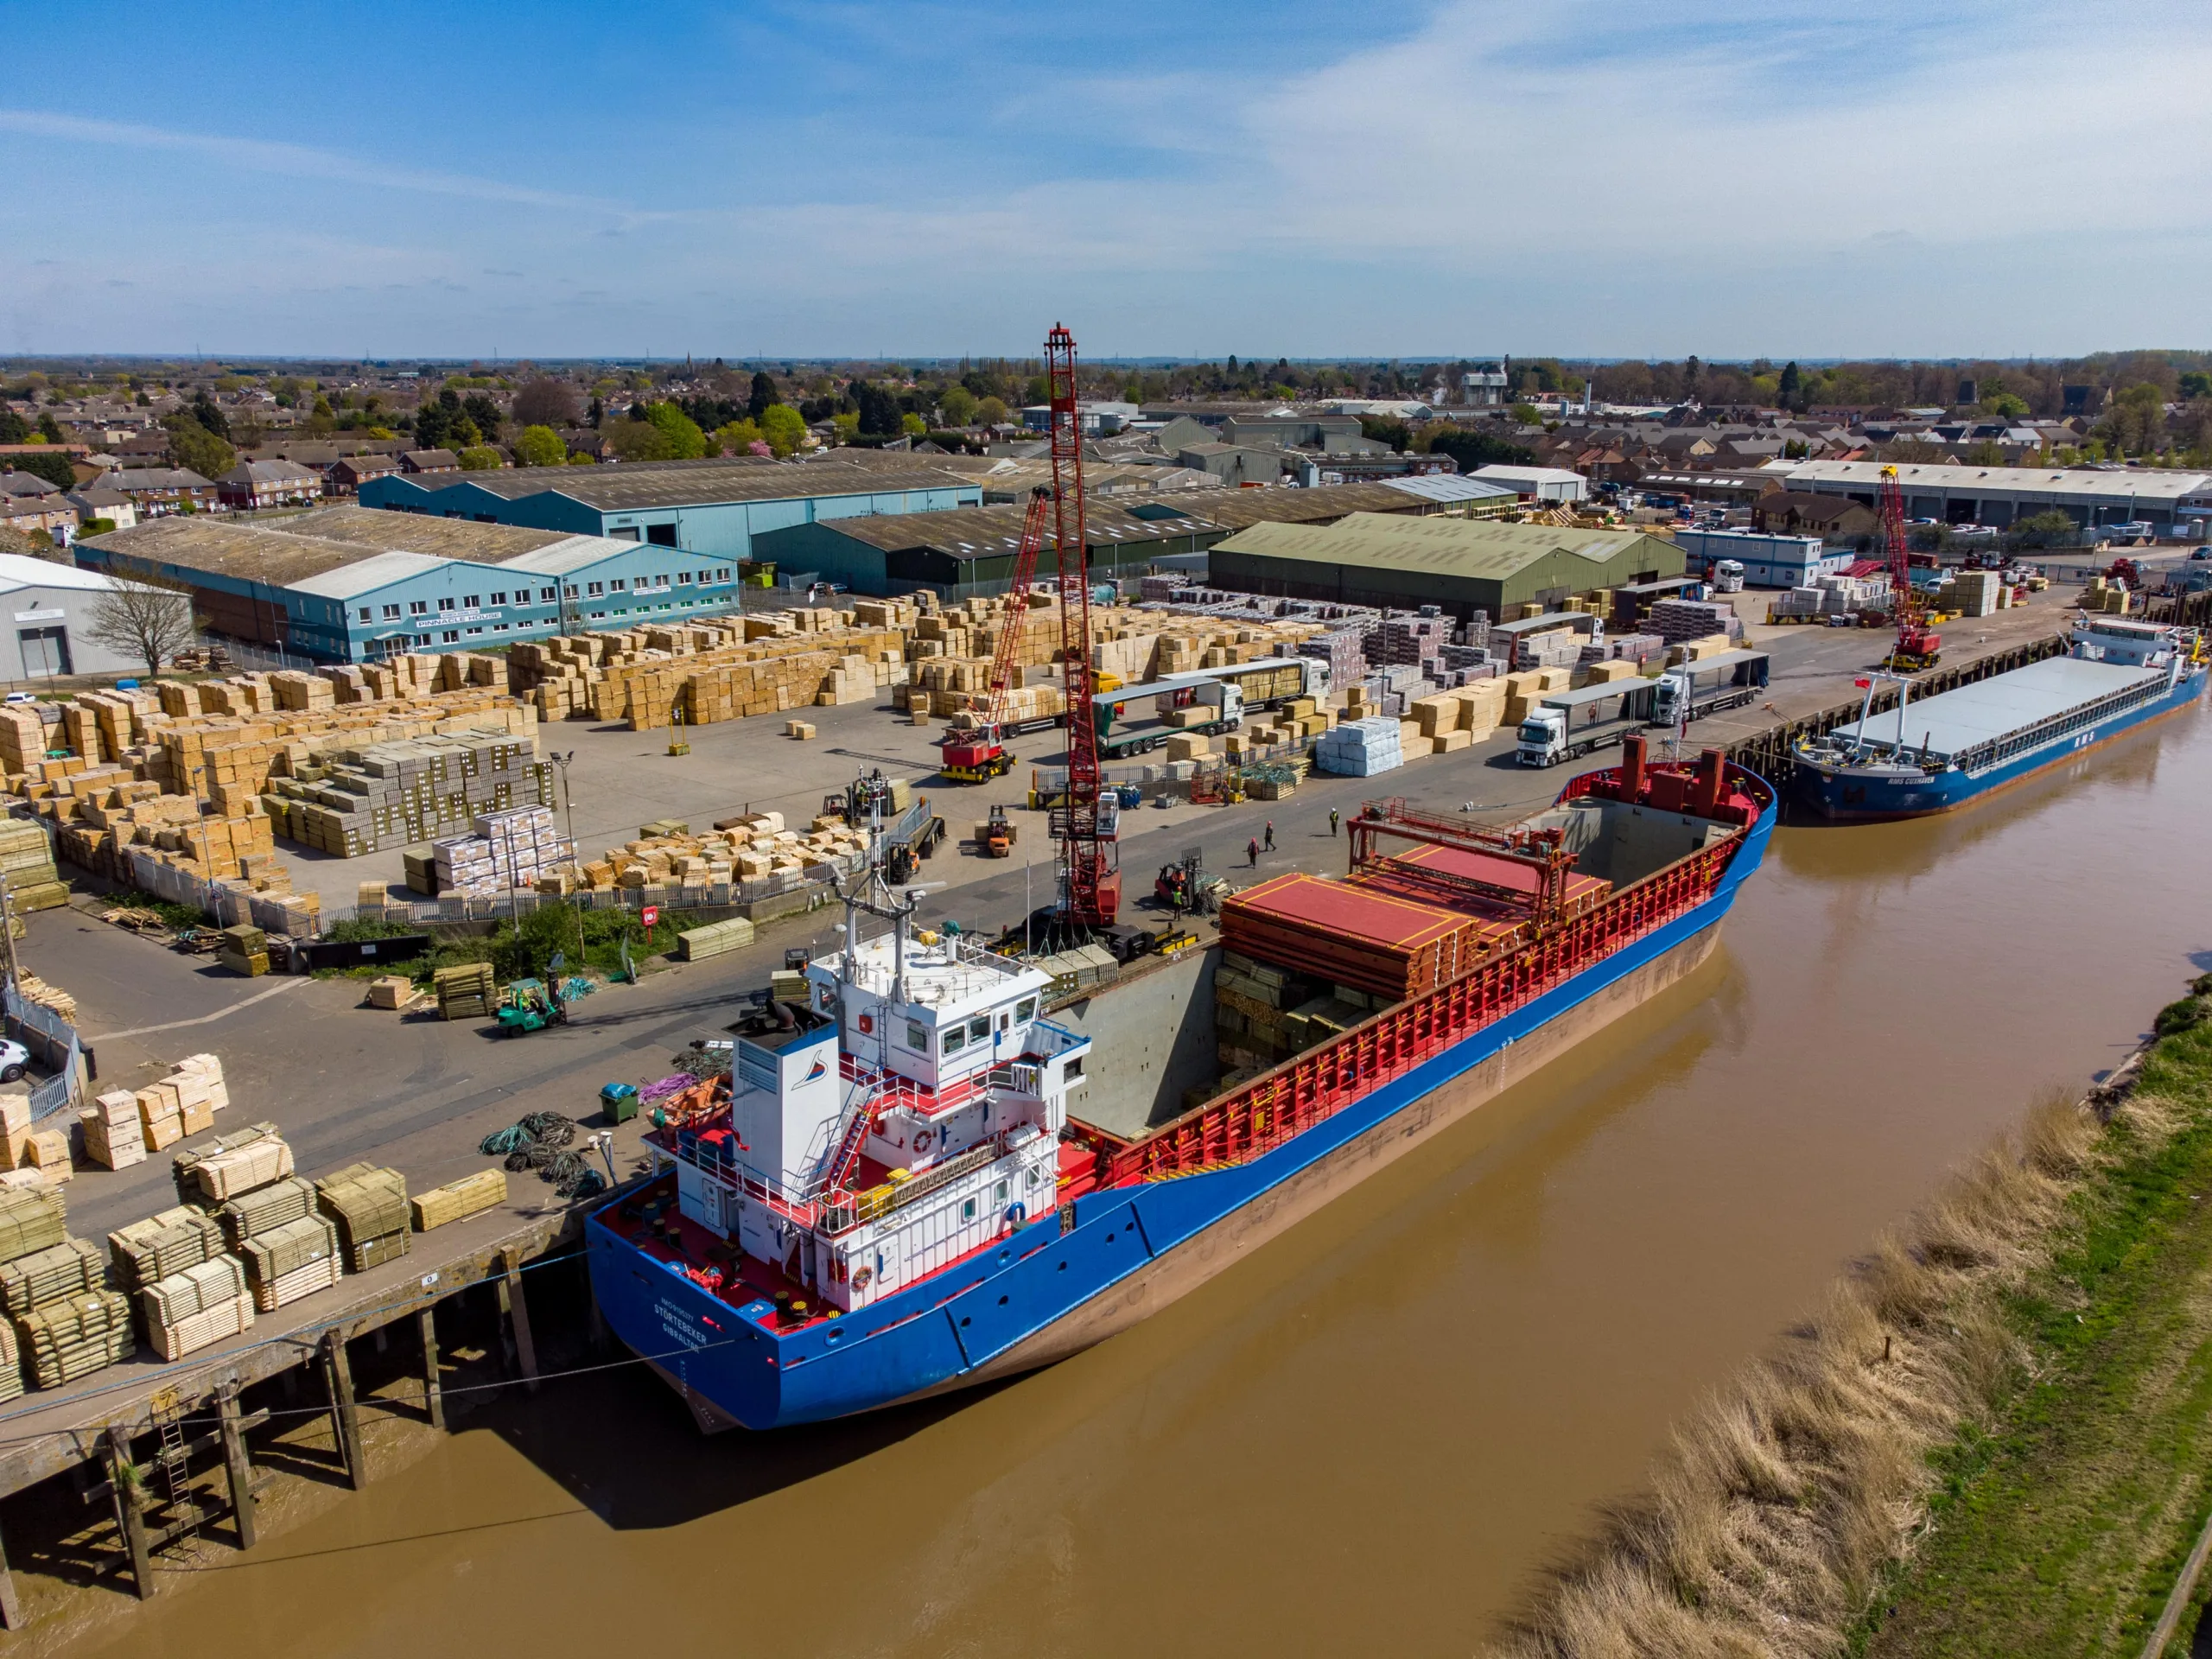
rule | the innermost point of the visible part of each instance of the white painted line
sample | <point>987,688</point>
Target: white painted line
<point>278,989</point>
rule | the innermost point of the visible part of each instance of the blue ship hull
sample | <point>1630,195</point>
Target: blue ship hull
<point>1022,1303</point>
<point>1848,796</point>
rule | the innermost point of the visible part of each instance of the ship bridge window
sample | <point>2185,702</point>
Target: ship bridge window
<point>917,1037</point>
<point>979,1027</point>
<point>1025,1010</point>
<point>956,1038</point>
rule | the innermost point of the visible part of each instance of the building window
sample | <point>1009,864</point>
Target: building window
<point>392,613</point>
<point>368,612</point>
<point>569,588</point>
<point>722,573</point>
<point>418,607</point>
<point>595,588</point>
<point>499,627</point>
<point>451,635</point>
<point>684,578</point>
<point>661,535</point>
<point>472,602</point>
<point>618,583</point>
<point>499,597</point>
<point>599,616</point>
<point>547,595</point>
<point>474,630</point>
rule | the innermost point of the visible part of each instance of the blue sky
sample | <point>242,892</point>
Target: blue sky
<point>1308,180</point>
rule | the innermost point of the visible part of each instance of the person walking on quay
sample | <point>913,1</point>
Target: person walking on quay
<point>1252,851</point>
<point>1332,820</point>
<point>1271,835</point>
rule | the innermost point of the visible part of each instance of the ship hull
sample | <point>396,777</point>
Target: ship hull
<point>1075,1277</point>
<point>1851,795</point>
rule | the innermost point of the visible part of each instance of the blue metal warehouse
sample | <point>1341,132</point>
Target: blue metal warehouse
<point>714,507</point>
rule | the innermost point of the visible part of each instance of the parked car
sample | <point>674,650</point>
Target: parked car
<point>15,1060</point>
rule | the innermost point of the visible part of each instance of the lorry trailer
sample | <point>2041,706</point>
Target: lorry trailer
<point>1134,719</point>
<point>1570,724</point>
<point>1730,679</point>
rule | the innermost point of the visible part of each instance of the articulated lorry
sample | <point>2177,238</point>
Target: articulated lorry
<point>1692,690</point>
<point>1567,725</point>
<point>1134,719</point>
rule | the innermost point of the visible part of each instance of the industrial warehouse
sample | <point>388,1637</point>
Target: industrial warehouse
<point>1461,564</point>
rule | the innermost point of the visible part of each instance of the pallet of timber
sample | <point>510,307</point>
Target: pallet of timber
<point>362,1254</point>
<point>11,1363</point>
<point>458,1200</point>
<point>204,1328</point>
<point>31,1218</point>
<point>231,1163</point>
<point>264,1208</point>
<point>47,1276</point>
<point>152,1250</point>
<point>180,1295</point>
<point>697,943</point>
<point>291,1261</point>
<point>367,1203</point>
<point>75,1336</point>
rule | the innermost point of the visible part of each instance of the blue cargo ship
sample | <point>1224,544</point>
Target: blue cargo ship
<point>1958,745</point>
<point>896,1191</point>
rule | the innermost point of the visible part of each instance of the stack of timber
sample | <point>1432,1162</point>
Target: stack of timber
<point>1356,936</point>
<point>31,1281</point>
<point>295,1260</point>
<point>152,1250</point>
<point>458,1200</point>
<point>114,1134</point>
<point>369,1205</point>
<point>222,1168</point>
<point>697,943</point>
<point>184,1102</point>
<point>33,1224</point>
<point>464,992</point>
<point>75,1336</point>
<point>244,950</point>
<point>196,1306</point>
<point>27,862</point>
<point>263,1208</point>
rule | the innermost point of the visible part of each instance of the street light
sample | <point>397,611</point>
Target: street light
<point>568,804</point>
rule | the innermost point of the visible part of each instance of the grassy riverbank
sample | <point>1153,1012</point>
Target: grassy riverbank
<point>2062,1529</point>
<point>1994,1438</point>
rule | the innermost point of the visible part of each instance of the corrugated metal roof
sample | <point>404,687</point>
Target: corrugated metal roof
<point>2119,484</point>
<point>1240,508</point>
<point>242,552</point>
<point>995,532</point>
<point>1445,486</point>
<point>20,570</point>
<point>1953,722</point>
<point>1456,547</point>
<point>622,489</point>
<point>375,571</point>
<point>419,532</point>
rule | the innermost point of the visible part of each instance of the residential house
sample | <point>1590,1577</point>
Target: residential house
<point>349,472</point>
<point>95,501</point>
<point>159,490</point>
<point>33,506</point>
<point>428,460</point>
<point>1798,513</point>
<point>254,484</point>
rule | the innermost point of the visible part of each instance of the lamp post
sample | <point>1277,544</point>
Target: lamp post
<point>568,805</point>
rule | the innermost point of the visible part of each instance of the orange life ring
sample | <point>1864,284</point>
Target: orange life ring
<point>922,1141</point>
<point>861,1277</point>
<point>868,1023</point>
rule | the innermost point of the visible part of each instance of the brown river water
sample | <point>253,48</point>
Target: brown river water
<point>1369,1436</point>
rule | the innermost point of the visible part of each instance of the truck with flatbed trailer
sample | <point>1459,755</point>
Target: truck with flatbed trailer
<point>1135,719</point>
<point>1567,725</point>
<point>1728,679</point>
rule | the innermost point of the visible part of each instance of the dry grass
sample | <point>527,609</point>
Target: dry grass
<point>1781,1500</point>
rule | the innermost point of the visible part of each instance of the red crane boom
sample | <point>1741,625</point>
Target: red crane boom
<point>1090,880</point>
<point>974,756</point>
<point>1916,646</point>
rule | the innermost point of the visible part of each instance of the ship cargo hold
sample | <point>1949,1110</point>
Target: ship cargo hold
<point>927,1173</point>
<point>1945,751</point>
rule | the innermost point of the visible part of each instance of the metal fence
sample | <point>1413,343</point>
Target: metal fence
<point>498,906</point>
<point>52,1041</point>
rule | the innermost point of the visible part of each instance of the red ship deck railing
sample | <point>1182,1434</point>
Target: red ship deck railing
<point>1277,1105</point>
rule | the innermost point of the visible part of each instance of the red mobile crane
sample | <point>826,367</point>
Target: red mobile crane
<point>1916,646</point>
<point>1090,877</point>
<point>974,757</point>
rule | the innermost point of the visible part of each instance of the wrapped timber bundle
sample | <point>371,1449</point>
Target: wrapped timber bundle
<point>11,1363</point>
<point>458,1200</point>
<point>465,992</point>
<point>31,1218</point>
<point>60,1270</point>
<point>75,1336</point>
<point>231,1164</point>
<point>291,1261</point>
<point>369,1205</point>
<point>113,1134</point>
<point>201,1305</point>
<point>264,1208</point>
<point>162,1245</point>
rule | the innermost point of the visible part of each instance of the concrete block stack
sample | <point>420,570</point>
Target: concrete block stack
<point>513,849</point>
<point>1414,639</point>
<point>1345,650</point>
<point>1677,620</point>
<point>392,794</point>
